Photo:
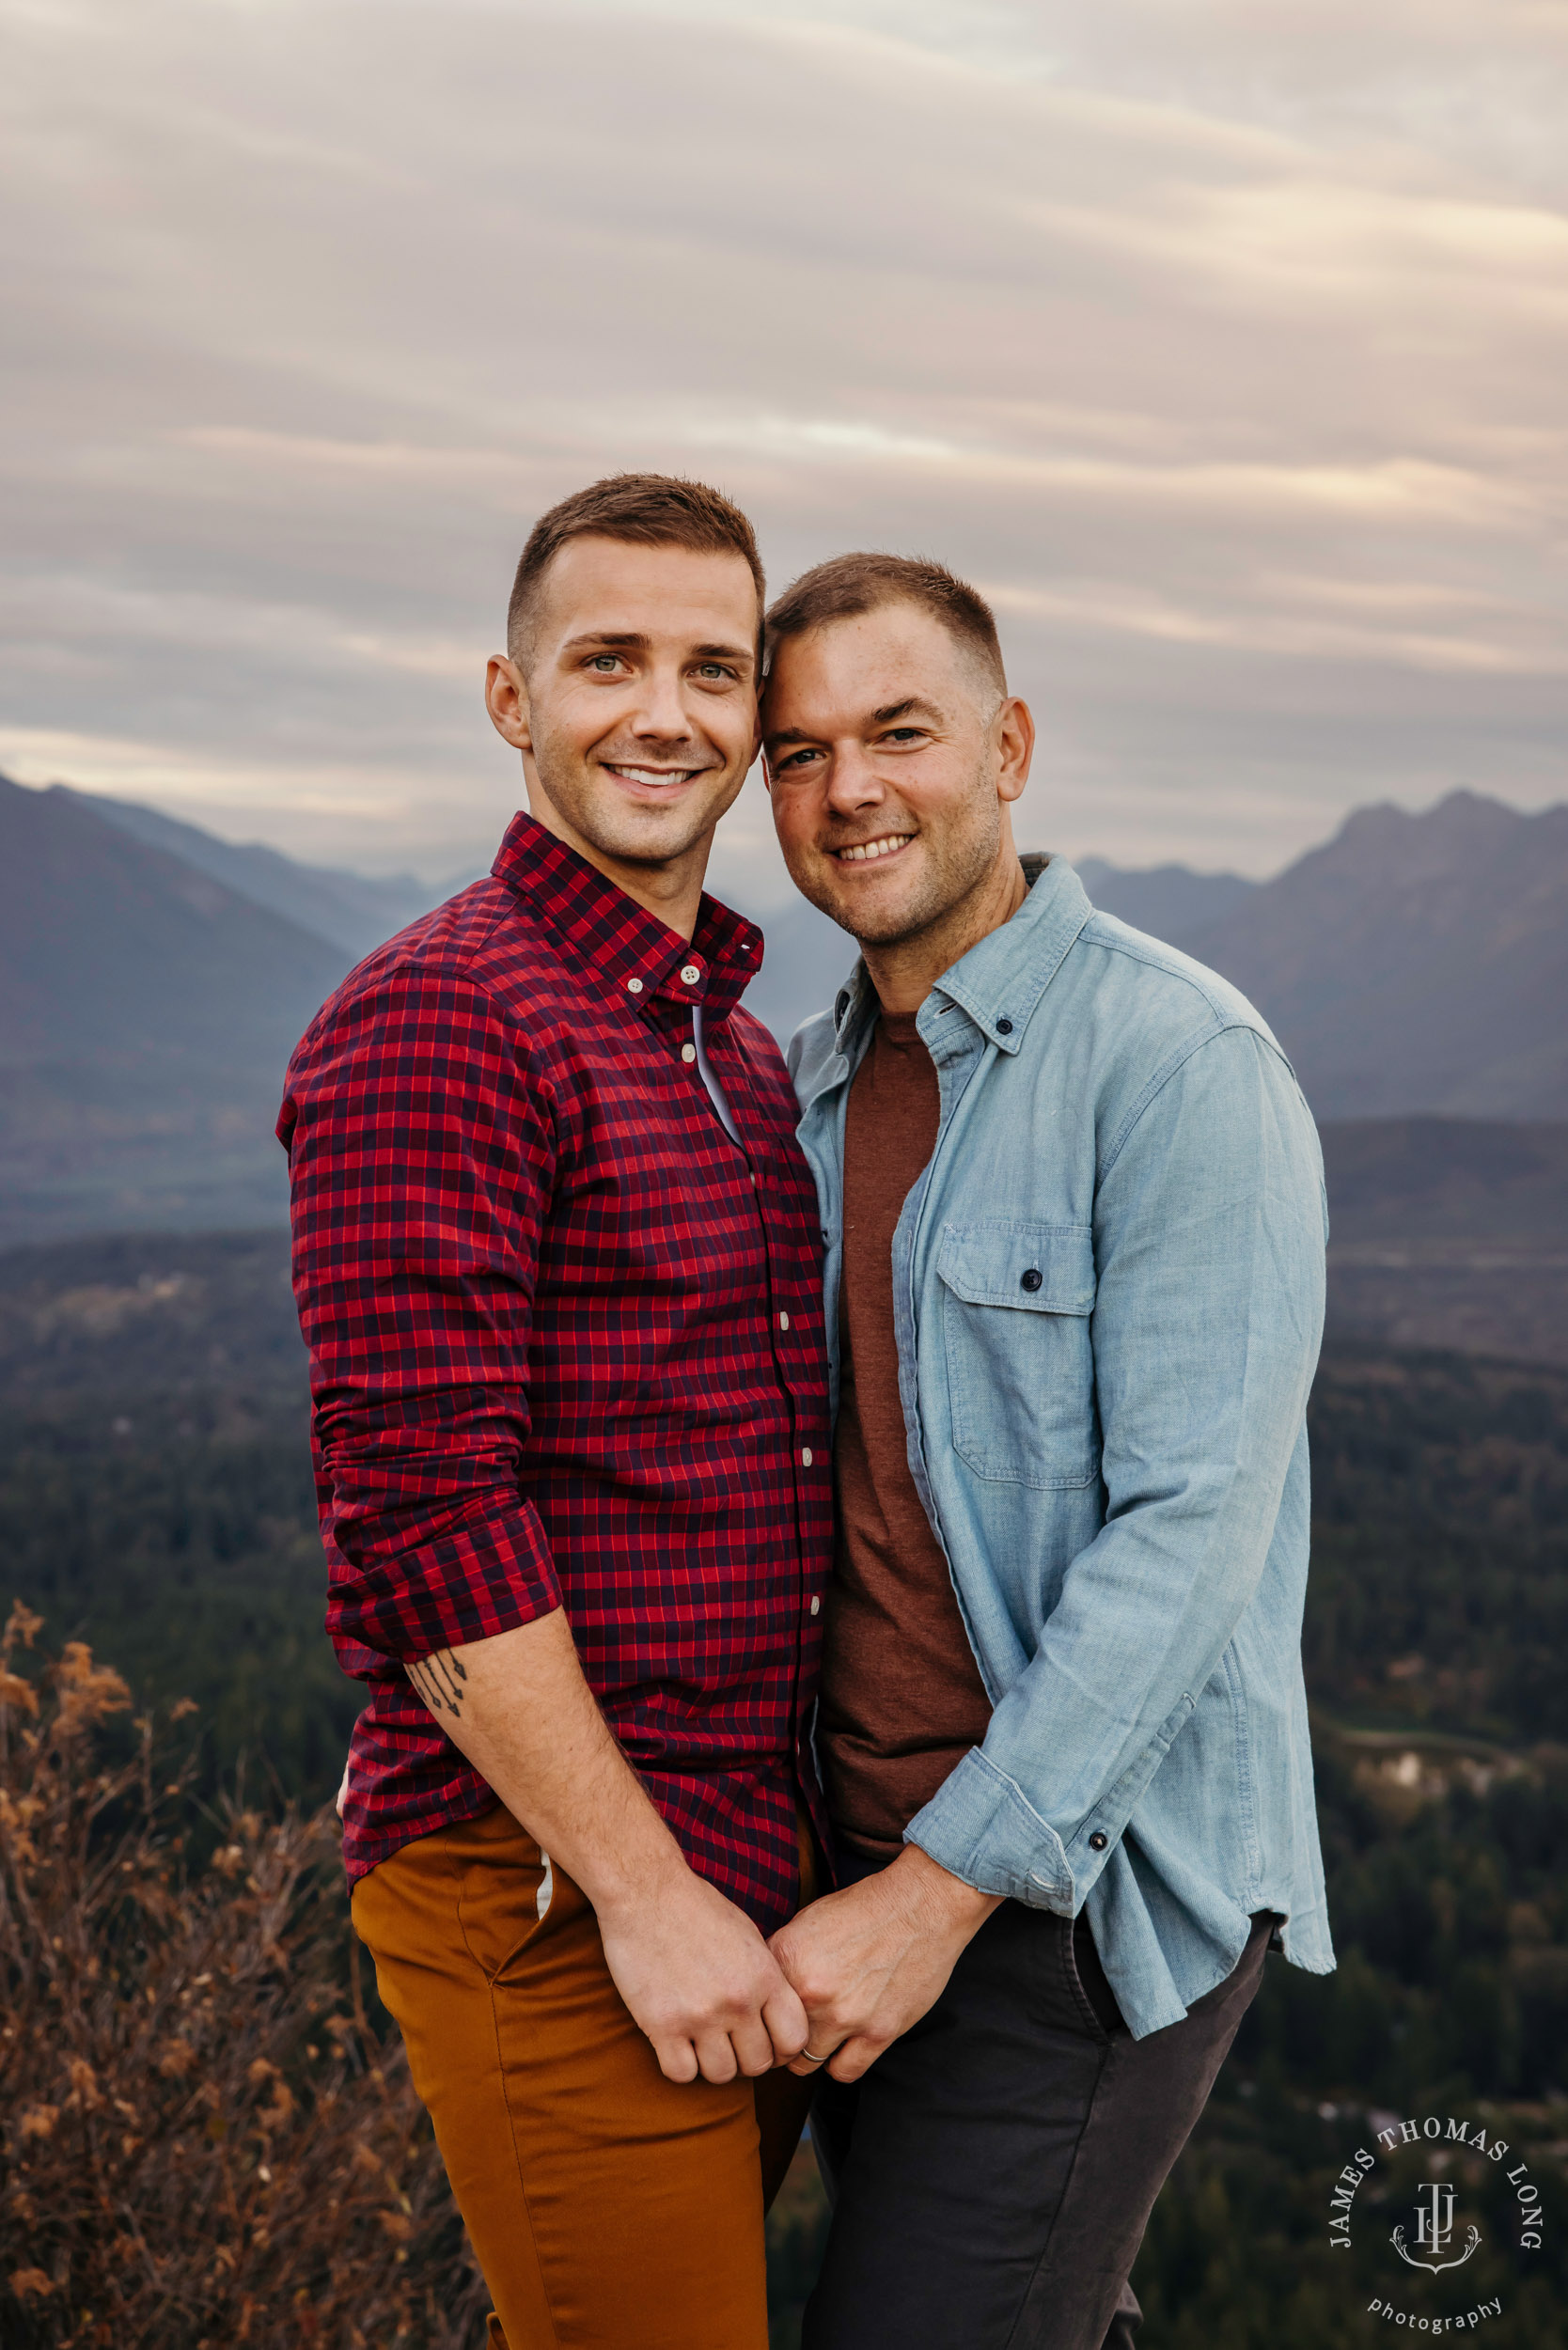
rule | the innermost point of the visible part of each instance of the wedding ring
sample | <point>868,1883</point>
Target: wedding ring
<point>815,2059</point>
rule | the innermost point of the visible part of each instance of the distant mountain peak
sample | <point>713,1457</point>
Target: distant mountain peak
<point>1459,818</point>
<point>1416,963</point>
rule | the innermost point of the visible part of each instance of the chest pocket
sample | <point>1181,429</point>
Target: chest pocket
<point>1017,1300</point>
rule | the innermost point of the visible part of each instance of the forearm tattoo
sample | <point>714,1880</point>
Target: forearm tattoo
<point>439,1680</point>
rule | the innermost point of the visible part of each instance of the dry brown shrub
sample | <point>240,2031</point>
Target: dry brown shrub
<point>203,2139</point>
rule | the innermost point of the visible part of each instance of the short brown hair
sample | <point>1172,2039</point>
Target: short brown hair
<point>850,584</point>
<point>645,510</point>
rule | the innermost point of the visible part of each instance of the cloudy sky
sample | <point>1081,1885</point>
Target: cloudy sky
<point>1223,343</point>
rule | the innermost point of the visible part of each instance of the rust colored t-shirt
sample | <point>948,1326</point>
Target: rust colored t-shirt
<point>902,1697</point>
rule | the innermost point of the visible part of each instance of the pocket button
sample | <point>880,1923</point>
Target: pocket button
<point>1032,1279</point>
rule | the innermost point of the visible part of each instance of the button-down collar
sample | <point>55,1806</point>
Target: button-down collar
<point>611,934</point>
<point>1001,980</point>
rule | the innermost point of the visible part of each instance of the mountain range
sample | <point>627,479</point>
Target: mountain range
<point>350,912</point>
<point>1413,966</point>
<point>153,978</point>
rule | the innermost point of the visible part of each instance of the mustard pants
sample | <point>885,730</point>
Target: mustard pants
<point>609,2208</point>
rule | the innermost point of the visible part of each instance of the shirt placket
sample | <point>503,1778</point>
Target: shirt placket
<point>789,1297</point>
<point>795,1291</point>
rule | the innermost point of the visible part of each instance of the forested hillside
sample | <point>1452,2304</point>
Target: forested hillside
<point>155,1489</point>
<point>155,1499</point>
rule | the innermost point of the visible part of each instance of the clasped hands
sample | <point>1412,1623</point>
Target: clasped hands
<point>867,1963</point>
<point>830,1991</point>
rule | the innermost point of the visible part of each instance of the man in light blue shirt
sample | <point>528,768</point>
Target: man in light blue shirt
<point>1107,1300</point>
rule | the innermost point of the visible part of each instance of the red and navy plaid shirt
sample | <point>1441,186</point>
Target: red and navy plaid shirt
<point>566,1349</point>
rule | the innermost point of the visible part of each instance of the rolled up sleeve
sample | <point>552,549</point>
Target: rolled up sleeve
<point>422,1155</point>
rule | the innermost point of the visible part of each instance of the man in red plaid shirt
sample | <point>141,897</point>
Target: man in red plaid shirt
<point>557,1261</point>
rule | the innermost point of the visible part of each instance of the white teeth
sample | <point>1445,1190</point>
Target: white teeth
<point>886,847</point>
<point>656,774</point>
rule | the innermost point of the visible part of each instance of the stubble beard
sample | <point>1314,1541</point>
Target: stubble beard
<point>953,872</point>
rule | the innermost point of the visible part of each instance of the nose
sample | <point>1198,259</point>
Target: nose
<point>661,713</point>
<point>852,782</point>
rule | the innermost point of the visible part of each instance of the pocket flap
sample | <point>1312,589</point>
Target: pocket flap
<point>1040,1268</point>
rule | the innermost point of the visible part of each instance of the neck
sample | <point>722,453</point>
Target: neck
<point>904,971</point>
<point>670,890</point>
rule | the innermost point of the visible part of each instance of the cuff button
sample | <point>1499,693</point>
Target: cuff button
<point>1098,1841</point>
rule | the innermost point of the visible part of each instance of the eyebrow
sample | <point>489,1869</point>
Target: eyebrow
<point>633,640</point>
<point>911,707</point>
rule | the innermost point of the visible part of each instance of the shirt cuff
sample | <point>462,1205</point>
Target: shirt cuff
<point>481,1574</point>
<point>981,1827</point>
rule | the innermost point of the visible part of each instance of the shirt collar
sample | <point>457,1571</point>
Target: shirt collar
<point>607,932</point>
<point>1000,981</point>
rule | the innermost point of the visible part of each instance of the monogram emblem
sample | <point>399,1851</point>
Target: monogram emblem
<point>1435,2230</point>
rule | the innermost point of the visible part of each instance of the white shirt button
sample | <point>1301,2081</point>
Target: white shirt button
<point>783,1322</point>
<point>688,1052</point>
<point>689,973</point>
<point>633,987</point>
<point>806,1456</point>
<point>815,1606</point>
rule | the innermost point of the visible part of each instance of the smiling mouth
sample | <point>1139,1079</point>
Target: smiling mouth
<point>653,778</point>
<point>867,852</point>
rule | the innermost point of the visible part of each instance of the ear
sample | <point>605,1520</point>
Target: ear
<point>506,698</point>
<point>1015,738</point>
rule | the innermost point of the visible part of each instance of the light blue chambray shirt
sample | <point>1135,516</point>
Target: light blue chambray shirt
<point>1108,1299</point>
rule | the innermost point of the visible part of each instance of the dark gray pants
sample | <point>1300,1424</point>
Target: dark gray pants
<point>992,2175</point>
